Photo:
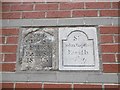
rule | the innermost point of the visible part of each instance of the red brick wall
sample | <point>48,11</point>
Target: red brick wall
<point>109,36</point>
<point>59,10</point>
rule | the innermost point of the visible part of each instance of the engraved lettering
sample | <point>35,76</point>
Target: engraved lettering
<point>37,49</point>
<point>76,49</point>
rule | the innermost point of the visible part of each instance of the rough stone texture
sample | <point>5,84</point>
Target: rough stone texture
<point>37,49</point>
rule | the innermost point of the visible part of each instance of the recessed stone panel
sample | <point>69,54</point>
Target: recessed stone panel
<point>58,48</point>
<point>78,49</point>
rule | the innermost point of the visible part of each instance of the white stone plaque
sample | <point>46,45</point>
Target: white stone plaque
<point>78,48</point>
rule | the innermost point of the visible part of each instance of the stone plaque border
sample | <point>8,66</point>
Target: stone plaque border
<point>56,75</point>
<point>56,68</point>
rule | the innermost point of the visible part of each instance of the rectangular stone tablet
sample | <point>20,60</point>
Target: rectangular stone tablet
<point>78,48</point>
<point>37,49</point>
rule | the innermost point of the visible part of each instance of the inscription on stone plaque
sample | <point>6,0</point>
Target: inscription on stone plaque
<point>78,49</point>
<point>37,49</point>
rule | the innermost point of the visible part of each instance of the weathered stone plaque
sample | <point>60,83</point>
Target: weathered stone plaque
<point>78,48</point>
<point>37,50</point>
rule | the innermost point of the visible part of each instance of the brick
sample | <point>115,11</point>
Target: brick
<point>57,1</point>
<point>8,67</point>
<point>35,1</point>
<point>98,5</point>
<point>57,86</point>
<point>5,8</point>
<point>68,6</point>
<point>118,57</point>
<point>12,40</point>
<point>112,13</point>
<point>10,31</point>
<point>115,5</point>
<point>1,11</point>
<point>12,3</point>
<point>29,2</point>
<point>86,13</point>
<point>109,30</point>
<point>0,31</point>
<point>87,87</point>
<point>117,38</point>
<point>1,57</point>
<point>22,7</point>
<point>111,68</point>
<point>9,48</point>
<point>33,14</point>
<point>36,86</point>
<point>112,87</point>
<point>110,48</point>
<point>108,57</point>
<point>2,40</point>
<point>46,6</point>
<point>58,14</point>
<point>0,15</point>
<point>11,15</point>
<point>106,39</point>
<point>1,67</point>
<point>10,58</point>
<point>7,85</point>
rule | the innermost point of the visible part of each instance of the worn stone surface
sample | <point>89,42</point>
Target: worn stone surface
<point>57,76</point>
<point>37,50</point>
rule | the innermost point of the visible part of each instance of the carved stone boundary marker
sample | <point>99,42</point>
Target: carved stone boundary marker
<point>37,49</point>
<point>78,48</point>
<point>58,48</point>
